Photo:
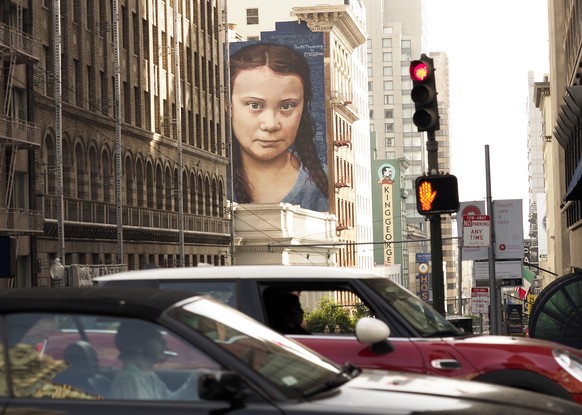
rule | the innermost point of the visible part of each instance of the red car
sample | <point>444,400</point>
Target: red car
<point>422,341</point>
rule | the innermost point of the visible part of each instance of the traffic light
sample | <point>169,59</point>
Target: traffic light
<point>424,94</point>
<point>437,194</point>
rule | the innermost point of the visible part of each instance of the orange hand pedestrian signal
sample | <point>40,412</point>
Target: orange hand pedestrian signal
<point>437,194</point>
<point>426,195</point>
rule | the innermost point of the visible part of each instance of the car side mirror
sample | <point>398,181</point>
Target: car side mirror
<point>221,386</point>
<point>375,333</point>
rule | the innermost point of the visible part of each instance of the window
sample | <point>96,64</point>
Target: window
<point>405,44</point>
<point>68,365</point>
<point>387,57</point>
<point>388,99</point>
<point>369,58</point>
<point>370,86</point>
<point>388,113</point>
<point>371,114</point>
<point>344,302</point>
<point>387,71</point>
<point>252,16</point>
<point>387,42</point>
<point>388,85</point>
<point>389,141</point>
<point>388,127</point>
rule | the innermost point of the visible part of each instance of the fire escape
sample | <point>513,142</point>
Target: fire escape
<point>17,49</point>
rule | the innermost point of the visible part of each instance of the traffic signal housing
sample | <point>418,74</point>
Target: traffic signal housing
<point>424,94</point>
<point>437,194</point>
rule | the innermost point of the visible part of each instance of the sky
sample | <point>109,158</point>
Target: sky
<point>491,46</point>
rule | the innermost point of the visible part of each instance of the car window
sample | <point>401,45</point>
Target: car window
<point>70,356</point>
<point>291,368</point>
<point>324,311</point>
<point>223,291</point>
<point>426,320</point>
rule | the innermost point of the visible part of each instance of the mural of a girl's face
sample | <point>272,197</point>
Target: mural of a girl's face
<point>266,112</point>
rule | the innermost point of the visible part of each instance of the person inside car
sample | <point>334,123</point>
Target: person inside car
<point>286,314</point>
<point>141,346</point>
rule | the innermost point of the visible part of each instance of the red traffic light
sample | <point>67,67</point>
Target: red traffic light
<point>437,194</point>
<point>424,94</point>
<point>419,71</point>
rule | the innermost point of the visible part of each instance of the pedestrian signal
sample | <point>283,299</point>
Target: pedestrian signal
<point>437,194</point>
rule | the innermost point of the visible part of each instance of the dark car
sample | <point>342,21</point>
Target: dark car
<point>62,348</point>
<point>422,340</point>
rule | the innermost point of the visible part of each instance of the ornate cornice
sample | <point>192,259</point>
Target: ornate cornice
<point>327,18</point>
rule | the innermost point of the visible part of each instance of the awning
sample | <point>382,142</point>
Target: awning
<point>574,191</point>
<point>567,124</point>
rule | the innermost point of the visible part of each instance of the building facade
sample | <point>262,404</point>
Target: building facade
<point>559,98</point>
<point>344,35</point>
<point>139,122</point>
<point>20,138</point>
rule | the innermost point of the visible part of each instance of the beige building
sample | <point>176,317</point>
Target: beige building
<point>560,99</point>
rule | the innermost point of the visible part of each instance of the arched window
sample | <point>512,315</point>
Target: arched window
<point>129,183</point>
<point>68,165</point>
<point>81,171</point>
<point>94,174</point>
<point>193,194</point>
<point>150,185</point>
<point>139,183</point>
<point>207,197</point>
<point>200,195</point>
<point>159,188</point>
<point>168,188</point>
<point>49,162</point>
<point>107,176</point>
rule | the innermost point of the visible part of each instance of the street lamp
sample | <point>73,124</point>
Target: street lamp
<point>57,272</point>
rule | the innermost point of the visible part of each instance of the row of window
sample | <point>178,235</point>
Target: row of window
<point>147,183</point>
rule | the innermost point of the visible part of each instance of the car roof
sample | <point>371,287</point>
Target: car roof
<point>136,302</point>
<point>294,272</point>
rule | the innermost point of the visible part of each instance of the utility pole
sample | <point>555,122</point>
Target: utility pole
<point>59,134</point>
<point>117,119</point>
<point>178,129</point>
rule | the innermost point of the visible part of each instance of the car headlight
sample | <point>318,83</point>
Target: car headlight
<point>570,362</point>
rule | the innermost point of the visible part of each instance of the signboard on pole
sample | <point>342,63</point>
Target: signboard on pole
<point>508,272</point>
<point>476,230</point>
<point>507,222</point>
<point>471,253</point>
<point>479,300</point>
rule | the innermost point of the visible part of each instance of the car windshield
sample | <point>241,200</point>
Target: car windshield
<point>290,367</point>
<point>427,321</point>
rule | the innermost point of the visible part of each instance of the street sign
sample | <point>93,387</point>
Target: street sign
<point>476,230</point>
<point>506,272</point>
<point>479,300</point>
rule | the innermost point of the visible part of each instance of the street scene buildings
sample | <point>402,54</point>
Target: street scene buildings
<point>116,142</point>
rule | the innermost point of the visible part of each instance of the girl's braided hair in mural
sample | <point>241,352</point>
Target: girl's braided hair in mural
<point>281,60</point>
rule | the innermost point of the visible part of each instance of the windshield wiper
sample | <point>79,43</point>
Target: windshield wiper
<point>347,373</point>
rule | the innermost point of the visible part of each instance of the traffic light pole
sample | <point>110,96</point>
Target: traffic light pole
<point>436,240</point>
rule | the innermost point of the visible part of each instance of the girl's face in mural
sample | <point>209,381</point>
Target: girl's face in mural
<point>266,112</point>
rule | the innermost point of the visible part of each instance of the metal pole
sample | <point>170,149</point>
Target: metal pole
<point>460,275</point>
<point>436,240</point>
<point>178,127</point>
<point>229,130</point>
<point>494,305</point>
<point>59,134</point>
<point>117,117</point>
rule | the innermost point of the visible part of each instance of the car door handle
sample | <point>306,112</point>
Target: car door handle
<point>446,364</point>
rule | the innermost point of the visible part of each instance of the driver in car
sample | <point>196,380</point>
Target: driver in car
<point>141,346</point>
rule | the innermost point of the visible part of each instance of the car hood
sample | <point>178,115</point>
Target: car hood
<point>430,394</point>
